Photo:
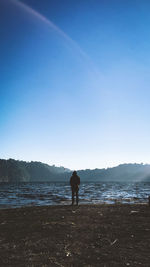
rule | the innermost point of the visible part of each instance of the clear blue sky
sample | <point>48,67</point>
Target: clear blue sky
<point>75,90</point>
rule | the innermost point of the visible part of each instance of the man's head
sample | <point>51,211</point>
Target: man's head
<point>74,173</point>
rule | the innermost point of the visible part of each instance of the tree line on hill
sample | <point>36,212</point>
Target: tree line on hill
<point>14,171</point>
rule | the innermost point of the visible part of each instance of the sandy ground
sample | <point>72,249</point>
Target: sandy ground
<point>88,235</point>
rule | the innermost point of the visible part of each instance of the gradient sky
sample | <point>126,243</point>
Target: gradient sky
<point>75,90</point>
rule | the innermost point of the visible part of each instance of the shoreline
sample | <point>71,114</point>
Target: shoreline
<point>81,203</point>
<point>86,235</point>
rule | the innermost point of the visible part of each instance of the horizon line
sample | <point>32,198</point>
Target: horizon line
<point>129,163</point>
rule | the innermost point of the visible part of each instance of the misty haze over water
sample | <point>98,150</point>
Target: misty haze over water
<point>40,194</point>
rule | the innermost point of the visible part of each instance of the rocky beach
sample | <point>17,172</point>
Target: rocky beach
<point>87,235</point>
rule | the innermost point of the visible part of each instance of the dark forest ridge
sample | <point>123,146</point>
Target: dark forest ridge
<point>12,171</point>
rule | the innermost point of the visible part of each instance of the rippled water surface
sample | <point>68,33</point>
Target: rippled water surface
<point>30,194</point>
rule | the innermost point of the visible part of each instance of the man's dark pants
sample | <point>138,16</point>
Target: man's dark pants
<point>75,192</point>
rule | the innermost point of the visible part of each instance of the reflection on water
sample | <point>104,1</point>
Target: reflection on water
<point>27,194</point>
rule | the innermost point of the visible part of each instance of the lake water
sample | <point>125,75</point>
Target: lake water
<point>40,194</point>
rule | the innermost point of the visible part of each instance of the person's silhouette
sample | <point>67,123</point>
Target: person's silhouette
<point>74,182</point>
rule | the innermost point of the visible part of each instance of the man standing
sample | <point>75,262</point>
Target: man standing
<point>74,182</point>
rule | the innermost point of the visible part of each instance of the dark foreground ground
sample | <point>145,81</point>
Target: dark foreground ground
<point>94,235</point>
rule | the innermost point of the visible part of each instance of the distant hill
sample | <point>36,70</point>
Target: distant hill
<point>13,171</point>
<point>123,172</point>
<point>21,171</point>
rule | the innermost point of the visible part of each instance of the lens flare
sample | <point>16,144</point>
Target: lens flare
<point>74,45</point>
